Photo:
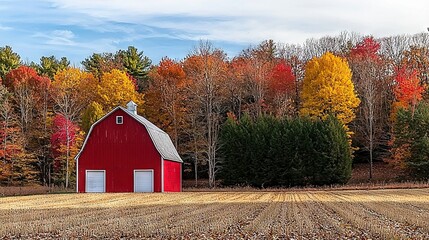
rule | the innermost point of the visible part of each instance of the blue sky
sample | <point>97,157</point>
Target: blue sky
<point>78,28</point>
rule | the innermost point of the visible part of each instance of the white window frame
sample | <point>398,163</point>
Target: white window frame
<point>120,117</point>
<point>86,179</point>
<point>144,170</point>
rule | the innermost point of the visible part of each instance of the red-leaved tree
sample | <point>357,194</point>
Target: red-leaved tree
<point>65,139</point>
<point>367,49</point>
<point>281,86</point>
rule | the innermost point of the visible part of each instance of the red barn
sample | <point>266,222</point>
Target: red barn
<point>124,152</point>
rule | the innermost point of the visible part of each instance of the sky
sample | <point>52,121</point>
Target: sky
<point>78,28</point>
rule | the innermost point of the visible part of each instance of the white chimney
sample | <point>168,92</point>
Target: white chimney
<point>132,107</point>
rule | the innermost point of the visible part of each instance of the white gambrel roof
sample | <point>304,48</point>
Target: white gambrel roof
<point>160,139</point>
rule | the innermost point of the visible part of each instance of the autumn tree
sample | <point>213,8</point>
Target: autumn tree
<point>417,58</point>
<point>113,89</point>
<point>31,97</point>
<point>408,93</point>
<point>372,86</point>
<point>18,81</point>
<point>136,64</point>
<point>40,131</point>
<point>8,60</point>
<point>237,90</point>
<point>21,163</point>
<point>328,89</point>
<point>206,69</point>
<point>117,88</point>
<point>92,113</point>
<point>16,166</point>
<point>408,89</point>
<point>6,113</point>
<point>28,89</point>
<point>65,141</point>
<point>281,86</point>
<point>71,91</point>
<point>294,56</point>
<point>260,60</point>
<point>367,48</point>
<point>167,87</point>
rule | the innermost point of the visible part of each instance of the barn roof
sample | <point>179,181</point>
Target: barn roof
<point>160,139</point>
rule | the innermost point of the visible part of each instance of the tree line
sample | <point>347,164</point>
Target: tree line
<point>47,107</point>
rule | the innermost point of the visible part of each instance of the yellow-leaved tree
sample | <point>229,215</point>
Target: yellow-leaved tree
<point>328,89</point>
<point>117,88</point>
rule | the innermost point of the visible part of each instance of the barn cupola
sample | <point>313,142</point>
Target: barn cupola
<point>132,107</point>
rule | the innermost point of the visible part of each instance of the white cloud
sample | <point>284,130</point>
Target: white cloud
<point>65,34</point>
<point>5,28</point>
<point>57,37</point>
<point>255,20</point>
<point>80,27</point>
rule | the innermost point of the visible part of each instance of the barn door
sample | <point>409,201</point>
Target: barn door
<point>143,180</point>
<point>95,181</point>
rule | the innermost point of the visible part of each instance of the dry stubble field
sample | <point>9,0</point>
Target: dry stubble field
<point>375,214</point>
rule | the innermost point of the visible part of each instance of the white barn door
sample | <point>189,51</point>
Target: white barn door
<point>95,181</point>
<point>143,180</point>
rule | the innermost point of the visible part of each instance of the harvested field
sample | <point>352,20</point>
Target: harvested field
<point>375,214</point>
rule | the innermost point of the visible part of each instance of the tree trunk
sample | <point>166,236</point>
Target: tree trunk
<point>196,160</point>
<point>49,175</point>
<point>67,153</point>
<point>371,102</point>
<point>5,136</point>
<point>196,171</point>
<point>371,142</point>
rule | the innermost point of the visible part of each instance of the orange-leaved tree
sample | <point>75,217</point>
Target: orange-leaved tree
<point>408,89</point>
<point>165,97</point>
<point>408,93</point>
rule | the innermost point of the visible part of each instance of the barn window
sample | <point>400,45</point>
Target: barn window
<point>119,120</point>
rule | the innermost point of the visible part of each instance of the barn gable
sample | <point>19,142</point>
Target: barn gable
<point>161,139</point>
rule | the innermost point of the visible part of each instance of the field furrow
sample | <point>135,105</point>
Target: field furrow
<point>376,214</point>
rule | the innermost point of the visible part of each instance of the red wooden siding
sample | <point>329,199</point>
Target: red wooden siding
<point>119,149</point>
<point>172,176</point>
